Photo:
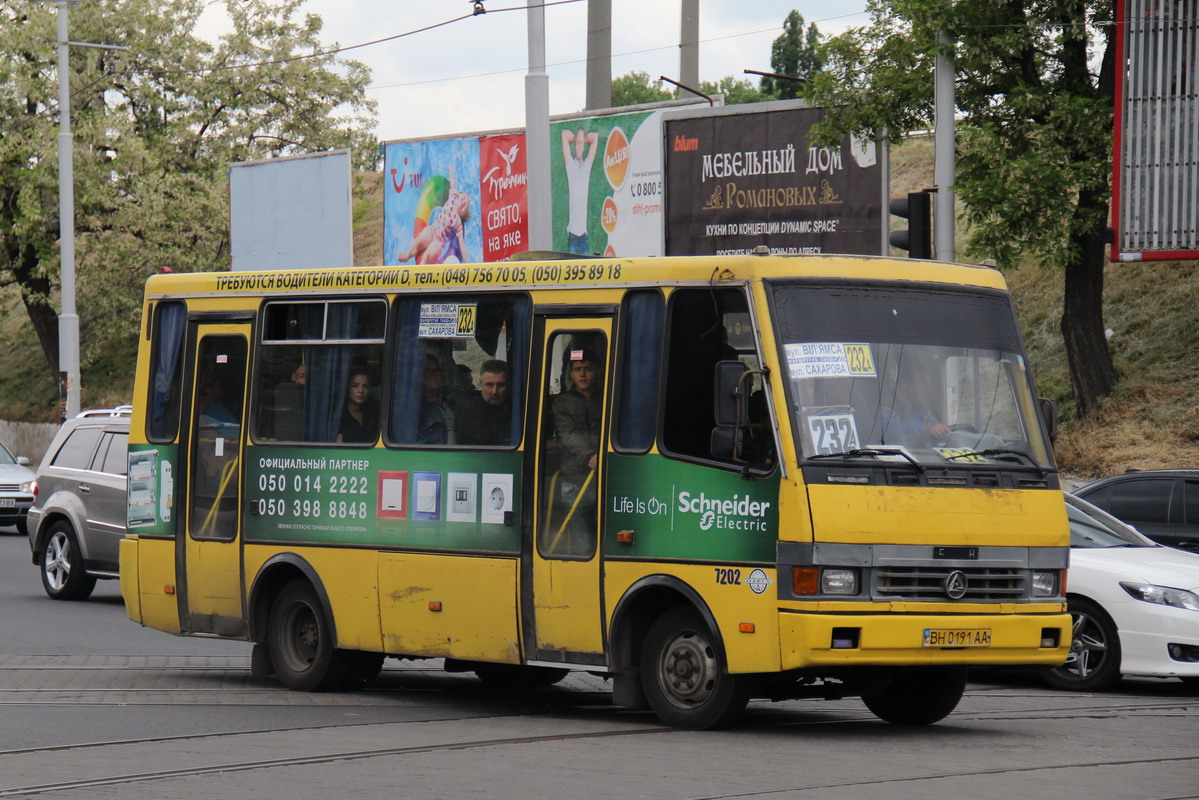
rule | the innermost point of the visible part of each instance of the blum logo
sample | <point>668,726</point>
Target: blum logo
<point>684,144</point>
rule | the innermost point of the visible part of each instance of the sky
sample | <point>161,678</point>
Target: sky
<point>469,75</point>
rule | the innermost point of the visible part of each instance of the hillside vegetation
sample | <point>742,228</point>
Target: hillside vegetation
<point>1151,309</point>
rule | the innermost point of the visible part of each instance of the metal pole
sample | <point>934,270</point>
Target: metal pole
<point>68,321</point>
<point>537,132</point>
<point>689,43</point>
<point>944,165</point>
<point>599,53</point>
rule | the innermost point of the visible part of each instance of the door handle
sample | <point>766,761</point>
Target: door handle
<point>83,487</point>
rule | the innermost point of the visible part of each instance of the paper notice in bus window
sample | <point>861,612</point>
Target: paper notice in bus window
<point>447,320</point>
<point>829,360</point>
<point>142,495</point>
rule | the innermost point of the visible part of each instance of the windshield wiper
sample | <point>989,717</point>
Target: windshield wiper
<point>873,451</point>
<point>998,453</point>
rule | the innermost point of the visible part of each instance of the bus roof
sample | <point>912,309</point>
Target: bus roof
<point>572,272</point>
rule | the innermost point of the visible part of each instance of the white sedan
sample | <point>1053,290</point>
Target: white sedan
<point>1135,605</point>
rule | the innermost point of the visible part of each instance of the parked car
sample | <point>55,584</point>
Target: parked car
<point>78,517</point>
<point>16,489</point>
<point>1163,504</point>
<point>1135,605</point>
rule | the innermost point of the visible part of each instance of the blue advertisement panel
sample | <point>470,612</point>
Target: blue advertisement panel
<point>431,211</point>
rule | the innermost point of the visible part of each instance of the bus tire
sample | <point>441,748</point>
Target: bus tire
<point>685,676</point>
<point>919,696</point>
<point>63,576</point>
<point>300,639</point>
<point>516,676</point>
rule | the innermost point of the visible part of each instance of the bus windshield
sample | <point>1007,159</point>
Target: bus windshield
<point>918,375</point>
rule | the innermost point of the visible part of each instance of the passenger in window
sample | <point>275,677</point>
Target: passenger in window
<point>486,418</point>
<point>436,421</point>
<point>359,417</point>
<point>577,415</point>
<point>300,374</point>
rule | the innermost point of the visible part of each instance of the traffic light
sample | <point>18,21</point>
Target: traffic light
<point>916,208</point>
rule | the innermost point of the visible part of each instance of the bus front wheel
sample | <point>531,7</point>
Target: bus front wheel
<point>300,640</point>
<point>684,675</point>
<point>919,696</point>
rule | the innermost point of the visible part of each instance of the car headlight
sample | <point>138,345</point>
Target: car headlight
<point>1162,595</point>
<point>27,487</point>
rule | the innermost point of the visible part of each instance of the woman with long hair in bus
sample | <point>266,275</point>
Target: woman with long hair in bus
<point>359,417</point>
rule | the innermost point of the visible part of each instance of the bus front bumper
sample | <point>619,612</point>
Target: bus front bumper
<point>823,640</point>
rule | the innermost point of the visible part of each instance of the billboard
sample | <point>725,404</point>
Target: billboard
<point>1155,169</point>
<point>606,184</point>
<point>291,212</point>
<point>432,207</point>
<point>504,204</point>
<point>738,178</point>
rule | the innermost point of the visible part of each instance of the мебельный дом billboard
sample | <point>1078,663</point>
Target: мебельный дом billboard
<point>737,179</point>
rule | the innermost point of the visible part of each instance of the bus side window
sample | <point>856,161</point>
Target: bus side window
<point>705,326</point>
<point>640,370</point>
<point>167,371</point>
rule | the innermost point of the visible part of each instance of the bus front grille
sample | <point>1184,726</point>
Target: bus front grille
<point>932,583</point>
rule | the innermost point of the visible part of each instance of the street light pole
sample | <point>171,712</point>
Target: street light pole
<point>68,320</point>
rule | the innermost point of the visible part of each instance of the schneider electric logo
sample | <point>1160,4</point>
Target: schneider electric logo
<point>733,514</point>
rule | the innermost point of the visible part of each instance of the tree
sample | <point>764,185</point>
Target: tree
<point>635,88</point>
<point>735,91</point>
<point>155,129</point>
<point>795,53</point>
<point>1034,94</point>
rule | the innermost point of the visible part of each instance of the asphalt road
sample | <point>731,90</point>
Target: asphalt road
<point>94,706</point>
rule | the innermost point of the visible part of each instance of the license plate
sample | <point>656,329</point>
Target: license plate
<point>957,637</point>
<point>7,502</point>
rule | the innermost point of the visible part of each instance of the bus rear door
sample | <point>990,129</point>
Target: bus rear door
<point>210,557</point>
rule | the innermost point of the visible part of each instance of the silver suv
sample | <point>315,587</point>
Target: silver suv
<point>79,508</point>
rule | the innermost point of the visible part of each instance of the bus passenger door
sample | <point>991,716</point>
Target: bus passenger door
<point>210,558</point>
<point>571,419</point>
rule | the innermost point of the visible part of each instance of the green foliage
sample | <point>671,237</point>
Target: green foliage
<point>796,53</point>
<point>635,88</point>
<point>155,130</point>
<point>735,91</point>
<point>1034,127</point>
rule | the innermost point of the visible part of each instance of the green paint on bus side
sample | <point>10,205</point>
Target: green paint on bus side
<point>687,511</point>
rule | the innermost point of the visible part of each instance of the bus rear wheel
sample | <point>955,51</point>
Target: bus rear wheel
<point>685,676</point>
<point>300,640</point>
<point>919,696</point>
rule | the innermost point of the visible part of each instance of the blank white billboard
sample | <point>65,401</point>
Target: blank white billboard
<point>292,212</point>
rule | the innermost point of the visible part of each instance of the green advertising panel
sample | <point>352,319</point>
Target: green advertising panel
<point>384,498</point>
<point>689,512</point>
<point>378,498</point>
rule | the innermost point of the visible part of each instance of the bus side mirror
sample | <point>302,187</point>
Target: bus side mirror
<point>723,444</point>
<point>728,411</point>
<point>1048,408</point>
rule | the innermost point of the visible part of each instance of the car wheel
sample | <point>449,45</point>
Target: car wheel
<point>300,641</point>
<point>919,696</point>
<point>63,575</point>
<point>1094,660</point>
<point>685,677</point>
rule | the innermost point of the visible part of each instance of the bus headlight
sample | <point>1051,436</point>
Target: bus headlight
<point>838,581</point>
<point>1044,584</point>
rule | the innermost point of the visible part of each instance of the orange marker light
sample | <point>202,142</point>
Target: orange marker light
<point>805,581</point>
<point>168,589</point>
<point>746,627</point>
<point>624,537</point>
<point>434,605</point>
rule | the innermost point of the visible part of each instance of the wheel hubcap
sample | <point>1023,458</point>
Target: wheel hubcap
<point>303,639</point>
<point>1088,648</point>
<point>57,565</point>
<point>687,669</point>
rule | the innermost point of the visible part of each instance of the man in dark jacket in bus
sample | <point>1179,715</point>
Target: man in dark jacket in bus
<point>578,413</point>
<point>486,418</point>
